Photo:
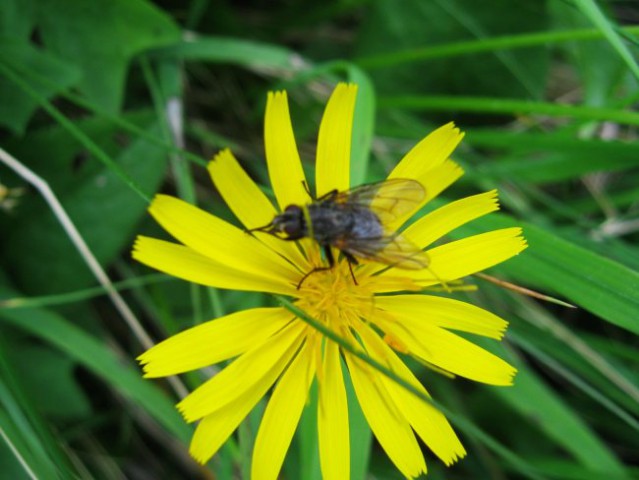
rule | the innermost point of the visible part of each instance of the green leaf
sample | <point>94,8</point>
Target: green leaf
<point>233,51</point>
<point>359,431</point>
<point>34,449</point>
<point>102,37</point>
<point>599,70</point>
<point>508,106</point>
<point>550,157</point>
<point>363,124</point>
<point>49,375</point>
<point>99,359</point>
<point>103,208</point>
<point>16,108</point>
<point>549,412</point>
<point>20,452</point>
<point>591,10</point>
<point>17,18</point>
<point>604,287</point>
<point>389,28</point>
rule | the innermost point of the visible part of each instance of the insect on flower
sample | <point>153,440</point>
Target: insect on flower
<point>357,223</point>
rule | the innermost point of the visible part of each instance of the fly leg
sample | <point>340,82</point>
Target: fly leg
<point>308,190</point>
<point>331,263</point>
<point>351,261</point>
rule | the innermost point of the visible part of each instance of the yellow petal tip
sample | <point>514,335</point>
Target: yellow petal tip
<point>220,156</point>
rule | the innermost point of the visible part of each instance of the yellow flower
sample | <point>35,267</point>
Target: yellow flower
<point>270,346</point>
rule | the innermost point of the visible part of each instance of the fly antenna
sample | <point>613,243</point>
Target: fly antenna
<point>263,228</point>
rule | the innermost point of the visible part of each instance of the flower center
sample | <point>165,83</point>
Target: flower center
<point>332,296</point>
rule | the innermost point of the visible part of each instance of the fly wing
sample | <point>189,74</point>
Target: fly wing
<point>389,199</point>
<point>394,250</point>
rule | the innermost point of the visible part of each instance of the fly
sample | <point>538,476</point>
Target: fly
<point>356,222</point>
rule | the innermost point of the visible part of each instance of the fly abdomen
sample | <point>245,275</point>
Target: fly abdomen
<point>366,225</point>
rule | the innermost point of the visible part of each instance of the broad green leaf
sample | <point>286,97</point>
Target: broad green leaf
<point>363,124</point>
<point>17,18</point>
<point>91,353</point>
<point>550,413</point>
<point>48,374</point>
<point>390,27</point>
<point>597,374</point>
<point>233,51</point>
<point>34,449</point>
<point>550,157</point>
<point>103,208</point>
<point>20,452</point>
<point>16,108</point>
<point>551,264</point>
<point>308,463</point>
<point>360,433</point>
<point>102,37</point>
<point>591,10</point>
<point>599,68</point>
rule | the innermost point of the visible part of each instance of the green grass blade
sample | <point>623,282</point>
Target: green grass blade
<point>533,399</point>
<point>591,10</point>
<point>233,51</point>
<point>506,42</point>
<point>602,286</point>
<point>363,124</point>
<point>95,356</point>
<point>500,106</point>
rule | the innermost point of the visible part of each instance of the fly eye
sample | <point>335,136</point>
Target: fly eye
<point>292,228</point>
<point>292,221</point>
<point>292,209</point>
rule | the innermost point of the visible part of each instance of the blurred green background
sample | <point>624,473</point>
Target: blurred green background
<point>103,98</point>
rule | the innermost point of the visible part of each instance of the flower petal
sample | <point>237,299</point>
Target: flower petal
<point>214,429</point>
<point>256,369</point>
<point>388,424</point>
<point>439,178</point>
<point>445,313</point>
<point>248,202</point>
<point>333,162</point>
<point>467,256</point>
<point>182,262</point>
<point>429,423</point>
<point>219,240</point>
<point>239,191</point>
<point>284,165</point>
<point>447,350</point>
<point>447,218</point>
<point>434,181</point>
<point>332,417</point>
<point>281,417</point>
<point>429,153</point>
<point>213,341</point>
